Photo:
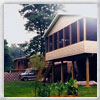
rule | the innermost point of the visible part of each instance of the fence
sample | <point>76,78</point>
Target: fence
<point>11,76</point>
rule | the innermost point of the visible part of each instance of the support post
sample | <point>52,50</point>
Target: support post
<point>84,29</point>
<point>62,80</point>
<point>87,72</point>
<point>52,72</point>
<point>78,32</point>
<point>72,69</point>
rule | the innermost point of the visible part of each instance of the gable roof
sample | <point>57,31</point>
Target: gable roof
<point>54,21</point>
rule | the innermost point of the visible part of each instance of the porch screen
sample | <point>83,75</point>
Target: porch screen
<point>81,29</point>
<point>91,29</point>
<point>55,41</point>
<point>50,43</point>
<point>60,38</point>
<point>46,44</point>
<point>74,32</point>
<point>67,36</point>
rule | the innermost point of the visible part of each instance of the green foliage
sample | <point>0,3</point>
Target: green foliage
<point>39,17</point>
<point>8,64</point>
<point>16,51</point>
<point>43,90</point>
<point>37,62</point>
<point>72,87</point>
<point>58,89</point>
<point>33,47</point>
<point>26,89</point>
<point>34,62</point>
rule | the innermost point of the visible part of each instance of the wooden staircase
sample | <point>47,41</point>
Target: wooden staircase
<point>46,72</point>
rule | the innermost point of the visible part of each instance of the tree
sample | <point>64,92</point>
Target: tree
<point>24,47</point>
<point>37,63</point>
<point>8,65</point>
<point>32,47</point>
<point>16,51</point>
<point>39,17</point>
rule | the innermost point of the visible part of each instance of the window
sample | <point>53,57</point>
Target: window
<point>50,43</point>
<point>74,32</point>
<point>67,36</point>
<point>91,29</point>
<point>47,44</point>
<point>60,38</point>
<point>55,41</point>
<point>81,30</point>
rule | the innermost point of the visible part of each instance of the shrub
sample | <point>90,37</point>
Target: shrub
<point>72,87</point>
<point>43,90</point>
<point>58,89</point>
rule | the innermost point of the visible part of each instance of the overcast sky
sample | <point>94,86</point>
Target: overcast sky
<point>14,23</point>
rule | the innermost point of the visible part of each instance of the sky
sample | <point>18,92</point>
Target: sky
<point>14,30</point>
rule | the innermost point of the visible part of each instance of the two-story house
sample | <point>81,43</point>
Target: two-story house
<point>73,38</point>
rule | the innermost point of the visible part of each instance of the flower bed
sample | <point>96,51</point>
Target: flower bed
<point>58,89</point>
<point>67,96</point>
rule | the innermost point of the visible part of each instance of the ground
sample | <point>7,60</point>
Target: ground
<point>26,89</point>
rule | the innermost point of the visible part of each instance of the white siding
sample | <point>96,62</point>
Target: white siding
<point>62,22</point>
<point>74,49</point>
<point>90,46</point>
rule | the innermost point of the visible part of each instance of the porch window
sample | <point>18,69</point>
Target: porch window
<point>74,32</point>
<point>81,29</point>
<point>91,29</point>
<point>55,41</point>
<point>50,43</point>
<point>46,44</point>
<point>67,36</point>
<point>61,39</point>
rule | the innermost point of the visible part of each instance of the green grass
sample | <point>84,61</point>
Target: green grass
<point>88,92</point>
<point>19,89</point>
<point>26,89</point>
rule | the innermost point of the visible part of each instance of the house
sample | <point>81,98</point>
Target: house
<point>73,38</point>
<point>21,63</point>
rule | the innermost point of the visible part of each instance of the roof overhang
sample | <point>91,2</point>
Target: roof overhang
<point>54,21</point>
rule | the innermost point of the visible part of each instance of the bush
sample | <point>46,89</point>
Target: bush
<point>43,90</point>
<point>72,87</point>
<point>58,89</point>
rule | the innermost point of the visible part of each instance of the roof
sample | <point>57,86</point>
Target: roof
<point>20,58</point>
<point>55,21</point>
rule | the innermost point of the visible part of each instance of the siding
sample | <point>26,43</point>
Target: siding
<point>90,46</point>
<point>74,49</point>
<point>63,22</point>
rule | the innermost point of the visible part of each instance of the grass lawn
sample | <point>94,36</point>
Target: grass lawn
<point>26,89</point>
